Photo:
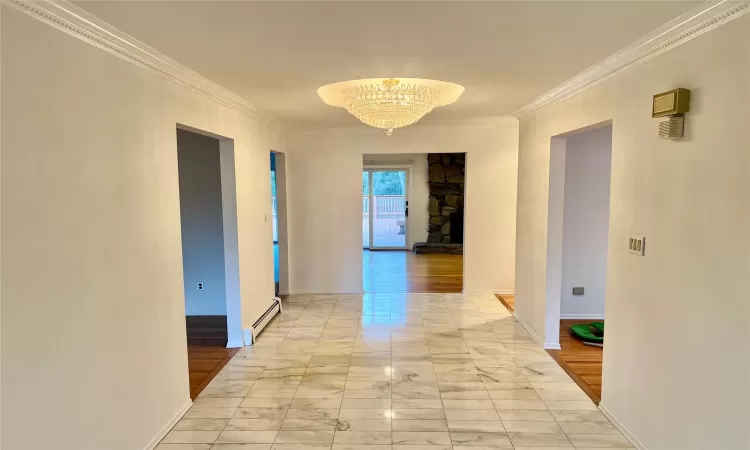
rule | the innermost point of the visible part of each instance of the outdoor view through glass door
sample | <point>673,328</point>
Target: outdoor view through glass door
<point>384,209</point>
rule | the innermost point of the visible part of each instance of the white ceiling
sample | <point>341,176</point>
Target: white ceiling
<point>276,54</point>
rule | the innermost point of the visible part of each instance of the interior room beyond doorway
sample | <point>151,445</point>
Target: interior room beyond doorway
<point>580,173</point>
<point>202,227</point>
<point>412,222</point>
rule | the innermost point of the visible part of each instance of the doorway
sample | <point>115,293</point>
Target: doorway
<point>580,175</point>
<point>412,222</point>
<point>205,164</point>
<point>279,223</point>
<point>385,208</point>
<point>275,225</point>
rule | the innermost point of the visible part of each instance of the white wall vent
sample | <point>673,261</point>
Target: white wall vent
<point>672,127</point>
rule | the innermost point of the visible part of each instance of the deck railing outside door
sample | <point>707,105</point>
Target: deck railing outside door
<point>388,211</point>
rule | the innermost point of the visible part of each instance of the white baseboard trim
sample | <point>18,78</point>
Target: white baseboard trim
<point>283,292</point>
<point>247,336</point>
<point>262,321</point>
<point>318,291</point>
<point>582,316</point>
<point>543,344</point>
<point>623,429</point>
<point>235,344</point>
<point>323,292</point>
<point>492,291</point>
<point>165,429</point>
<point>528,329</point>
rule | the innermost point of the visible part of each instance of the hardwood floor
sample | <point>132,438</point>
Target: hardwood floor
<point>204,363</point>
<point>582,362</point>
<point>508,300</point>
<point>403,271</point>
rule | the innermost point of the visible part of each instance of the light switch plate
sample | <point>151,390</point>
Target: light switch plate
<point>637,245</point>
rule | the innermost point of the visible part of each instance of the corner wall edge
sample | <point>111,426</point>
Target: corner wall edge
<point>80,24</point>
<point>680,30</point>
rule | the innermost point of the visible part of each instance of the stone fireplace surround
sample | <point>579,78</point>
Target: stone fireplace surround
<point>445,205</point>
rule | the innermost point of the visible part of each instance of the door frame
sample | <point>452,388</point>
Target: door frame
<point>555,221</point>
<point>235,331</point>
<point>370,168</point>
<point>281,221</point>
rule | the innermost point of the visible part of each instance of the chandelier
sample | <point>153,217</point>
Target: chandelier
<point>390,103</point>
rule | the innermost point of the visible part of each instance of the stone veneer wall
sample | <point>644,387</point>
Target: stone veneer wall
<point>446,183</point>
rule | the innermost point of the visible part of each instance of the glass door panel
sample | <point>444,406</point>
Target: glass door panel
<point>388,209</point>
<point>366,209</point>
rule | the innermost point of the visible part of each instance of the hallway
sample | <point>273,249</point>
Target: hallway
<point>417,371</point>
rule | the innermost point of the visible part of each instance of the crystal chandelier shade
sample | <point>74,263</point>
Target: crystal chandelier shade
<point>390,103</point>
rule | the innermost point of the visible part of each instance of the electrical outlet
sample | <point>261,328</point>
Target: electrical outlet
<point>200,286</point>
<point>578,291</point>
<point>637,245</point>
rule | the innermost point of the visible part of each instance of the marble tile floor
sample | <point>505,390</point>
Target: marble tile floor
<point>393,372</point>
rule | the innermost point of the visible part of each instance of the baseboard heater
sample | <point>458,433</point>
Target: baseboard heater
<point>265,318</point>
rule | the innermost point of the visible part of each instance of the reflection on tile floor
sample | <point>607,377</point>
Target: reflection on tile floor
<point>393,372</point>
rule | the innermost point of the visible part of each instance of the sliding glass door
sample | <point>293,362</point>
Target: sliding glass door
<point>384,209</point>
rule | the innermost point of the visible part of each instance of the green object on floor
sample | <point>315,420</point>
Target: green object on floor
<point>593,332</point>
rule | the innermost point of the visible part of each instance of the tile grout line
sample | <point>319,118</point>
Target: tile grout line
<point>410,345</point>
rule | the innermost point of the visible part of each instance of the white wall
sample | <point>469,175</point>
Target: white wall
<point>93,306</point>
<point>201,224</point>
<point>418,191</point>
<point>325,188</point>
<point>679,317</point>
<point>588,157</point>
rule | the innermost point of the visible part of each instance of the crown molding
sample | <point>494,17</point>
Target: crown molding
<point>82,25</point>
<point>701,19</point>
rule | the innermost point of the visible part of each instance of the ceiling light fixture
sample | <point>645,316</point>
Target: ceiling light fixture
<point>390,103</point>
